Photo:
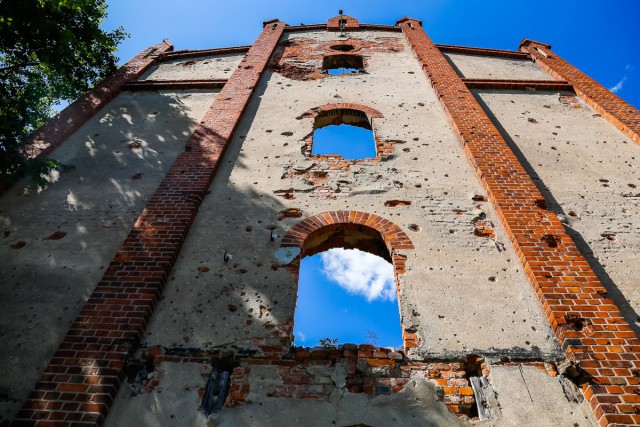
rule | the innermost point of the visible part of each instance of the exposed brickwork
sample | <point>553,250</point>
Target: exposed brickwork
<point>301,58</point>
<point>613,108</point>
<point>371,112</point>
<point>394,238</point>
<point>392,235</point>
<point>589,326</point>
<point>84,374</point>
<point>53,133</point>
<point>507,84</point>
<point>320,173</point>
<point>370,370</point>
<point>496,53</point>
<point>333,24</point>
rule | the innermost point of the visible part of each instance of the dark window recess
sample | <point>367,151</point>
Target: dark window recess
<point>216,392</point>
<point>342,22</point>
<point>139,373</point>
<point>343,132</point>
<point>343,64</point>
<point>342,47</point>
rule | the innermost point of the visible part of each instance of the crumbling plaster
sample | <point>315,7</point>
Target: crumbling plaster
<point>462,292</point>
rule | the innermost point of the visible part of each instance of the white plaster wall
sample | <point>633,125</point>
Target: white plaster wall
<point>590,174</point>
<point>204,68</point>
<point>44,284</point>
<point>484,67</point>
<point>446,293</point>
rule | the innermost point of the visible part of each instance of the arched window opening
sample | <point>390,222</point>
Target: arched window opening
<point>343,64</point>
<point>346,289</point>
<point>344,132</point>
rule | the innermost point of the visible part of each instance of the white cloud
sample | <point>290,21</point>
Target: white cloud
<point>360,273</point>
<point>618,85</point>
<point>301,336</point>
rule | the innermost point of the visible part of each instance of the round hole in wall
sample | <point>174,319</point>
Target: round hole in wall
<point>343,47</point>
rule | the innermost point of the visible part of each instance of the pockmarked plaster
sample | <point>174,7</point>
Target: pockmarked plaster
<point>484,67</point>
<point>56,242</point>
<point>464,291</point>
<point>201,68</point>
<point>589,173</point>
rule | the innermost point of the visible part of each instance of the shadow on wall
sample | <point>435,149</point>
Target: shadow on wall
<point>56,242</point>
<point>209,302</point>
<point>613,292</point>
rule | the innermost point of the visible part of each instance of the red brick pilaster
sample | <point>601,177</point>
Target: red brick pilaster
<point>85,373</point>
<point>613,108</point>
<point>53,133</point>
<point>589,326</point>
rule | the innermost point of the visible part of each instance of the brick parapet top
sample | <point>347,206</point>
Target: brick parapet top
<point>407,18</point>
<point>527,42</point>
<point>614,109</point>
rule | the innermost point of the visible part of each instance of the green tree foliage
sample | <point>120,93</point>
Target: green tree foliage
<point>50,50</point>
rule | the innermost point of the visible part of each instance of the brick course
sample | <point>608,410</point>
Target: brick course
<point>589,326</point>
<point>613,108</point>
<point>85,373</point>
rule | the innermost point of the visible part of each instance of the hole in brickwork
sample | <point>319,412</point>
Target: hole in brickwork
<point>343,132</point>
<point>346,290</point>
<point>343,64</point>
<point>342,47</point>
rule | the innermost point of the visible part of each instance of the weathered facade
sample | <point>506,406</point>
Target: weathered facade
<point>504,191</point>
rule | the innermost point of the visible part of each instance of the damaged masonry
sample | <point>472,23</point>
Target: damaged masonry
<point>168,297</point>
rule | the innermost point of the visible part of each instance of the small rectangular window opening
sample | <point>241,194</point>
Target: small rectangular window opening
<point>343,64</point>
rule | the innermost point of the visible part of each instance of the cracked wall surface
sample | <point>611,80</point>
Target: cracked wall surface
<point>56,242</point>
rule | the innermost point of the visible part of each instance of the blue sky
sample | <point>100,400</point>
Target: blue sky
<point>599,37</point>
<point>345,294</point>
<point>351,142</point>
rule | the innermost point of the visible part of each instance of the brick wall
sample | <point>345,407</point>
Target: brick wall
<point>589,326</point>
<point>613,108</point>
<point>84,375</point>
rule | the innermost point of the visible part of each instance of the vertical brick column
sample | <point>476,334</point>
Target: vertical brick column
<point>613,108</point>
<point>589,327</point>
<point>85,373</point>
<point>53,133</point>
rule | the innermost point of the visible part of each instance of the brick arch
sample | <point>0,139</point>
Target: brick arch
<point>333,222</point>
<point>392,235</point>
<point>371,112</point>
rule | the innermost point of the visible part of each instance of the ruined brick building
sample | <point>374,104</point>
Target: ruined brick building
<point>504,190</point>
